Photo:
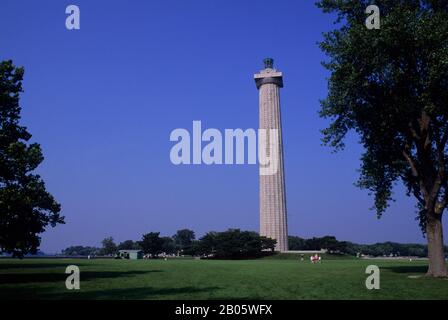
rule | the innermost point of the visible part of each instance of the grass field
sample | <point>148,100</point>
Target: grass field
<point>208,279</point>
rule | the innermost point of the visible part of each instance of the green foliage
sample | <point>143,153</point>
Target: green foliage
<point>235,244</point>
<point>393,248</point>
<point>329,243</point>
<point>152,243</point>
<point>183,239</point>
<point>109,246</point>
<point>129,245</point>
<point>81,251</point>
<point>168,245</point>
<point>334,246</point>
<point>296,243</point>
<point>391,87</point>
<point>26,208</point>
<point>268,244</point>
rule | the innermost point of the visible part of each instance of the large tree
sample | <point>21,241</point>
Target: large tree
<point>390,85</point>
<point>152,243</point>
<point>26,208</point>
<point>184,238</point>
<point>108,246</point>
<point>129,245</point>
<point>168,246</point>
<point>235,244</point>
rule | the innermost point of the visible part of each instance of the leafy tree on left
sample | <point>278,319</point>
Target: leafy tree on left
<point>26,208</point>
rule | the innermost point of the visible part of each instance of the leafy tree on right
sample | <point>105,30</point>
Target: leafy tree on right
<point>391,87</point>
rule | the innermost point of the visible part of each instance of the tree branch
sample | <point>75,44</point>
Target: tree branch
<point>418,197</point>
<point>415,172</point>
<point>411,162</point>
<point>441,172</point>
<point>441,205</point>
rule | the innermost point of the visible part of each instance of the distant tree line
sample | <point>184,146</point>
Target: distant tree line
<point>233,244</point>
<point>81,251</point>
<point>237,244</point>
<point>331,244</point>
<point>230,244</point>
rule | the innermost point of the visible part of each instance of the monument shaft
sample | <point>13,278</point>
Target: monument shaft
<point>273,219</point>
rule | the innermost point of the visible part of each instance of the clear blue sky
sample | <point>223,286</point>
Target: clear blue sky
<point>103,100</point>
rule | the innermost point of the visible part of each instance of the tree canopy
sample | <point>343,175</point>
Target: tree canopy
<point>26,208</point>
<point>129,245</point>
<point>108,246</point>
<point>152,243</point>
<point>390,86</point>
<point>235,244</point>
<point>183,239</point>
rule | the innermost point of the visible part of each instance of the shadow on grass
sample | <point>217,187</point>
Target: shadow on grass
<point>18,266</point>
<point>132,293</point>
<point>407,269</point>
<point>139,293</point>
<point>23,278</point>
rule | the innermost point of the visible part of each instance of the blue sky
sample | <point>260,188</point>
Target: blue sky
<point>103,100</point>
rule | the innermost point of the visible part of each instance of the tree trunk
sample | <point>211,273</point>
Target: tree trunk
<point>436,252</point>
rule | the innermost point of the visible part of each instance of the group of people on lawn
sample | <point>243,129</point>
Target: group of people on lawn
<point>316,259</point>
<point>313,258</point>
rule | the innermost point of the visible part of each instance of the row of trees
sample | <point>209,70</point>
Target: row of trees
<point>231,244</point>
<point>237,244</point>
<point>328,242</point>
<point>151,243</point>
<point>345,247</point>
<point>82,251</point>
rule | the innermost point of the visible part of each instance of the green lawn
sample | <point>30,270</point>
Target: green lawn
<point>208,279</point>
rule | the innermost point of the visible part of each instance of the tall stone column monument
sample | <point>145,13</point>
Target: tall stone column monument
<point>273,220</point>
